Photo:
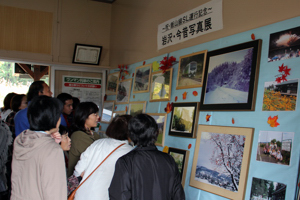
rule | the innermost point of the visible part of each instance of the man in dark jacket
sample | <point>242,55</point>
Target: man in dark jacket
<point>145,173</point>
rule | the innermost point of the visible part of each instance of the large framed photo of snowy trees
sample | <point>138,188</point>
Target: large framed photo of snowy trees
<point>230,79</point>
<point>221,160</point>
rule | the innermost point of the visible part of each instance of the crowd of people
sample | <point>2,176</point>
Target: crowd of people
<point>45,140</point>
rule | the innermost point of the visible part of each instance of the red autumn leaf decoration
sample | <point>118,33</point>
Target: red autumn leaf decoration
<point>167,63</point>
<point>278,79</point>
<point>283,78</point>
<point>207,117</point>
<point>144,62</point>
<point>176,98</point>
<point>123,71</point>
<point>132,74</point>
<point>169,107</point>
<point>252,36</point>
<point>190,145</point>
<point>284,72</point>
<point>126,109</point>
<point>281,68</point>
<point>184,95</point>
<point>232,120</point>
<point>195,93</point>
<point>273,121</point>
<point>116,107</point>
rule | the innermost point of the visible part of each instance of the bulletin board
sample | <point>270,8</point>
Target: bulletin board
<point>269,121</point>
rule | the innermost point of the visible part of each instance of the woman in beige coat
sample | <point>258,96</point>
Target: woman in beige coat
<point>38,168</point>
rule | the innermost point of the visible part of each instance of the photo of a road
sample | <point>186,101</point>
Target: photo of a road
<point>226,95</point>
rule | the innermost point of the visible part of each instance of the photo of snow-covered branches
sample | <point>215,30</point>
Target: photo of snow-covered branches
<point>228,77</point>
<point>220,160</point>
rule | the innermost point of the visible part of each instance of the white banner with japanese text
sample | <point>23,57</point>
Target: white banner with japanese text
<point>84,88</point>
<point>204,19</point>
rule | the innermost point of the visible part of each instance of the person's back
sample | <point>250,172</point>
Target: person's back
<point>38,170</point>
<point>145,173</point>
<point>151,173</point>
<point>37,158</point>
<point>96,187</point>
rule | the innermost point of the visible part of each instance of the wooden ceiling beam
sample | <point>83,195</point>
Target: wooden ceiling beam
<point>36,75</point>
<point>27,69</point>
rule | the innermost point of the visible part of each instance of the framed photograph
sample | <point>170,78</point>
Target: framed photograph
<point>265,189</point>
<point>87,54</point>
<point>107,111</point>
<point>191,70</point>
<point>181,158</point>
<point>275,147</point>
<point>112,83</point>
<point>221,160</point>
<point>161,120</point>
<point>137,107</point>
<point>184,119</point>
<point>280,96</point>
<point>284,44</point>
<point>161,85</point>
<point>123,92</point>
<point>118,113</point>
<point>230,78</point>
<point>142,77</point>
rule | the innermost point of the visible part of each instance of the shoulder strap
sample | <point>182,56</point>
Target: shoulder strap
<point>99,166</point>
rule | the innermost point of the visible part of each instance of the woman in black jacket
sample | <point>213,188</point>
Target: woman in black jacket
<point>145,173</point>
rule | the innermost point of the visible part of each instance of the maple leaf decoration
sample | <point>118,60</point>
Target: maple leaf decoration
<point>116,107</point>
<point>207,117</point>
<point>169,107</point>
<point>252,36</point>
<point>232,120</point>
<point>123,71</point>
<point>167,63</point>
<point>284,72</point>
<point>184,95</point>
<point>176,98</point>
<point>190,145</point>
<point>273,121</point>
<point>195,93</point>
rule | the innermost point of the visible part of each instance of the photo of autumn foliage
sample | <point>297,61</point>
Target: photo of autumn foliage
<point>280,96</point>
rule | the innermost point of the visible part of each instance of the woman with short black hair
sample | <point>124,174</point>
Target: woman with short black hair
<point>85,119</point>
<point>38,163</point>
<point>96,187</point>
<point>145,173</point>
